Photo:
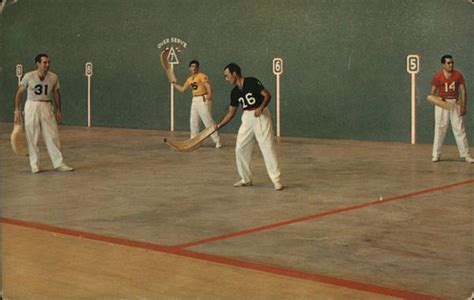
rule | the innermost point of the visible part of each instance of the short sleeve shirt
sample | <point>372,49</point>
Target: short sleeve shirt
<point>196,82</point>
<point>250,96</point>
<point>447,87</point>
<point>38,89</point>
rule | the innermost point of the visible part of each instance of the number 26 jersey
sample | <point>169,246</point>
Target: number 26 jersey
<point>250,96</point>
<point>38,89</point>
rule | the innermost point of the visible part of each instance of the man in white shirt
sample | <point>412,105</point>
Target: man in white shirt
<point>42,87</point>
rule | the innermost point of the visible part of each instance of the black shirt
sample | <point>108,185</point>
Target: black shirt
<point>250,96</point>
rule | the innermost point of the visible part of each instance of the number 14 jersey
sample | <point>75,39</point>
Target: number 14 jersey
<point>447,87</point>
<point>40,89</point>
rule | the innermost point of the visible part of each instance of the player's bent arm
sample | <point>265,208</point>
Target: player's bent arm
<point>227,118</point>
<point>433,91</point>
<point>57,99</point>
<point>57,102</point>
<point>432,97</point>
<point>17,114</point>
<point>181,88</point>
<point>19,93</point>
<point>463,99</point>
<point>266,100</point>
<point>209,91</point>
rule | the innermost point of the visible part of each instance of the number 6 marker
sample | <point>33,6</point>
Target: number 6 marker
<point>277,70</point>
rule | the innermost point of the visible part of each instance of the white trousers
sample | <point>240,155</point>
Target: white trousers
<point>39,117</point>
<point>442,118</point>
<point>256,129</point>
<point>201,111</point>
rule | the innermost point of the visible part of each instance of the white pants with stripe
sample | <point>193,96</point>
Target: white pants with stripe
<point>257,129</point>
<point>442,119</point>
<point>201,111</point>
<point>39,118</point>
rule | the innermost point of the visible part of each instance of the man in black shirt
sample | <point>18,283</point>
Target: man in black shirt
<point>256,125</point>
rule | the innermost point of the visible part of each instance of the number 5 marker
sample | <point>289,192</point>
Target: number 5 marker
<point>413,66</point>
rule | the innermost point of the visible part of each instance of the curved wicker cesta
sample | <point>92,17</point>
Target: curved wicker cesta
<point>193,143</point>
<point>18,139</point>
<point>440,102</point>
<point>166,65</point>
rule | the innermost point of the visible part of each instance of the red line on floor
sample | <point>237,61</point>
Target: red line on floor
<point>320,215</point>
<point>87,235</point>
<point>361,286</point>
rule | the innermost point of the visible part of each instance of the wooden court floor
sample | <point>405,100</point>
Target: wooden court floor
<point>356,220</point>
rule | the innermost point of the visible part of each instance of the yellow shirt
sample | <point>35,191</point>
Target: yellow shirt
<point>196,83</point>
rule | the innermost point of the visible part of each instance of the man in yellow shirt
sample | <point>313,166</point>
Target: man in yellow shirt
<point>201,106</point>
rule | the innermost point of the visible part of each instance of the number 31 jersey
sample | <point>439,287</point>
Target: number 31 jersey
<point>250,96</point>
<point>40,89</point>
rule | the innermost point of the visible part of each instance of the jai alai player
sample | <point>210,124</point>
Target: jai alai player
<point>256,125</point>
<point>447,84</point>
<point>201,106</point>
<point>42,87</point>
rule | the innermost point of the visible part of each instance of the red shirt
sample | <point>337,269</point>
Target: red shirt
<point>447,87</point>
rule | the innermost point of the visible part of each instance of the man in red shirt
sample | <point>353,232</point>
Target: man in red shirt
<point>445,86</point>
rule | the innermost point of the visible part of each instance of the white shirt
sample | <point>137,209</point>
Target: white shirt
<point>40,89</point>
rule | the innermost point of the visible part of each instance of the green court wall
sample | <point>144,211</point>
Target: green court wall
<point>344,71</point>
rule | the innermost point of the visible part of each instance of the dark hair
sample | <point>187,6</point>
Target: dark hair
<point>39,56</point>
<point>443,59</point>
<point>194,62</point>
<point>234,68</point>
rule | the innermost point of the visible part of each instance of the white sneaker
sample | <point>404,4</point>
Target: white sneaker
<point>241,183</point>
<point>35,170</point>
<point>435,159</point>
<point>278,186</point>
<point>64,168</point>
<point>218,145</point>
<point>469,159</point>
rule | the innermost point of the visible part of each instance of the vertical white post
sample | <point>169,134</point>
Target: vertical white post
<point>88,101</point>
<point>277,70</point>
<point>413,66</point>
<point>413,109</point>
<point>172,102</point>
<point>88,72</point>
<point>278,104</point>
